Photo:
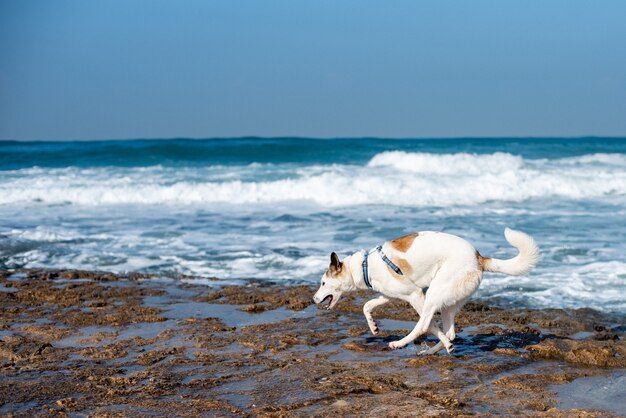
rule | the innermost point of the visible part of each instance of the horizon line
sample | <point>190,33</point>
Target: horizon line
<point>287,137</point>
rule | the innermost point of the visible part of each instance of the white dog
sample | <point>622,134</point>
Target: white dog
<point>450,267</point>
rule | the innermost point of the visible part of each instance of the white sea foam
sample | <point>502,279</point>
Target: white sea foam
<point>598,158</point>
<point>42,234</point>
<point>597,285</point>
<point>400,178</point>
<point>461,164</point>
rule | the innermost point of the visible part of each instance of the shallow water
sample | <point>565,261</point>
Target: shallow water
<point>273,209</point>
<point>602,392</point>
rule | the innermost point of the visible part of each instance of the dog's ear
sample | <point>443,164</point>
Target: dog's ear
<point>335,264</point>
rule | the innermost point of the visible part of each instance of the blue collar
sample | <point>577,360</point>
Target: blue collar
<point>390,263</point>
<point>366,278</point>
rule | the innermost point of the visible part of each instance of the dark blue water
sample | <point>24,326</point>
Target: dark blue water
<point>175,152</point>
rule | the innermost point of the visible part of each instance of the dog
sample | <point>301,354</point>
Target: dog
<point>448,266</point>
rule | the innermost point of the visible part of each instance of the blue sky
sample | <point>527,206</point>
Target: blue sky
<point>153,69</point>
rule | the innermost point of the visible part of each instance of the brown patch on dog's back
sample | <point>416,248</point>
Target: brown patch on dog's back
<point>482,261</point>
<point>404,266</point>
<point>402,244</point>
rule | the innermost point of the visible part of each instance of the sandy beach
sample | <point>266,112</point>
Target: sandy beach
<point>79,343</point>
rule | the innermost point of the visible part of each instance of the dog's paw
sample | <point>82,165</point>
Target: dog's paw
<point>394,345</point>
<point>374,327</point>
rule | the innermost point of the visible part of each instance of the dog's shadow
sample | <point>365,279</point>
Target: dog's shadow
<point>516,340</point>
<point>468,343</point>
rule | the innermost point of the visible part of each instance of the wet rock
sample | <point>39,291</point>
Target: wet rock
<point>606,336</point>
<point>45,332</point>
<point>67,403</point>
<point>116,316</point>
<point>155,356</point>
<point>255,308</point>
<point>447,401</point>
<point>356,331</point>
<point>588,353</point>
<point>209,324</point>
<point>18,348</point>
<point>506,351</point>
<point>292,297</point>
<point>340,403</point>
<point>361,346</point>
<point>110,350</point>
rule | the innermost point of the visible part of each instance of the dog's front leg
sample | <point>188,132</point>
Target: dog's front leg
<point>367,311</point>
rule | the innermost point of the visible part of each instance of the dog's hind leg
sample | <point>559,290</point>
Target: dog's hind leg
<point>428,312</point>
<point>448,288</point>
<point>447,316</point>
<point>441,294</point>
<point>417,301</point>
<point>367,311</point>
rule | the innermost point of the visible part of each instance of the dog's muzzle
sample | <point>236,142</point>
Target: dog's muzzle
<point>330,298</point>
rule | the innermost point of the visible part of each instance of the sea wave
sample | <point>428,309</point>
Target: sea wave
<point>393,177</point>
<point>599,158</point>
<point>447,164</point>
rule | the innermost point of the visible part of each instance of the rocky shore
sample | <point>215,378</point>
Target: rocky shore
<point>75,343</point>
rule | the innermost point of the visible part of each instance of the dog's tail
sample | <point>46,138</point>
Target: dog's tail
<point>522,263</point>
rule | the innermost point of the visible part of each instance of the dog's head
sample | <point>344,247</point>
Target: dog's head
<point>335,281</point>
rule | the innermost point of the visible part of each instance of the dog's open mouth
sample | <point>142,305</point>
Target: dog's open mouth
<point>328,298</point>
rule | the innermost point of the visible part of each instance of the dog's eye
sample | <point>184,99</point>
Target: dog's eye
<point>323,283</point>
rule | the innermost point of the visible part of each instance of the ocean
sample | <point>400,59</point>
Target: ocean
<point>274,208</point>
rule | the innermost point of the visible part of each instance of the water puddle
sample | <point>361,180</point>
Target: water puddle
<point>17,276</point>
<point>96,335</point>
<point>231,315</point>
<point>145,330</point>
<point>3,288</point>
<point>607,393</point>
<point>394,324</point>
<point>581,335</point>
<point>88,336</point>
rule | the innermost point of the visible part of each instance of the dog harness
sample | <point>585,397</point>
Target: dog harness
<point>390,263</point>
